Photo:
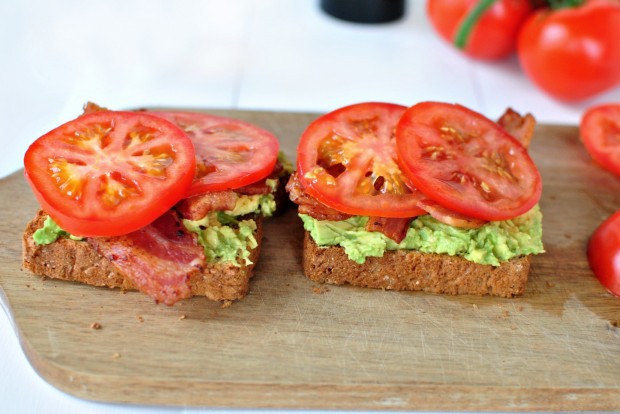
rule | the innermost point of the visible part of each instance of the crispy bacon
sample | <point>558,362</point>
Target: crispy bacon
<point>520,127</point>
<point>394,228</point>
<point>159,258</point>
<point>195,208</point>
<point>90,107</point>
<point>310,206</point>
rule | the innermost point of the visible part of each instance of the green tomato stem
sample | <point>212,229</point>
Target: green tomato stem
<point>563,4</point>
<point>465,29</point>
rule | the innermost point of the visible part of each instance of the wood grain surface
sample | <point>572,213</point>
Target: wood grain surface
<point>294,344</point>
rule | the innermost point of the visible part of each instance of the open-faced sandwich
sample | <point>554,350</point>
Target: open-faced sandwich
<point>434,197</point>
<point>168,203</point>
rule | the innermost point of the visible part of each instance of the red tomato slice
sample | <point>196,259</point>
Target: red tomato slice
<point>109,173</point>
<point>600,133</point>
<point>466,162</point>
<point>347,160</point>
<point>604,253</point>
<point>229,153</point>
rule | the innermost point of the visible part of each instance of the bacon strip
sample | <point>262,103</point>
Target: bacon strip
<point>520,127</point>
<point>310,206</point>
<point>197,207</point>
<point>394,228</point>
<point>159,258</point>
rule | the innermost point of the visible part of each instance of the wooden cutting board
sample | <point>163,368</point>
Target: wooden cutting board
<point>294,344</point>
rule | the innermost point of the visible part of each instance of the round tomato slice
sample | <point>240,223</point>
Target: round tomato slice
<point>466,162</point>
<point>604,253</point>
<point>600,133</point>
<point>109,173</point>
<point>229,153</point>
<point>347,161</point>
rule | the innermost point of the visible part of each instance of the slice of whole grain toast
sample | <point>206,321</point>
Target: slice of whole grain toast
<point>78,261</point>
<point>416,271</point>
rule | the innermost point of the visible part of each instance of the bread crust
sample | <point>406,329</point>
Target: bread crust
<point>78,261</point>
<point>415,271</point>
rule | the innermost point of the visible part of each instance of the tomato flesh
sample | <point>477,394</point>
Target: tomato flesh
<point>465,162</point>
<point>229,153</point>
<point>604,253</point>
<point>109,173</point>
<point>600,134</point>
<point>347,160</point>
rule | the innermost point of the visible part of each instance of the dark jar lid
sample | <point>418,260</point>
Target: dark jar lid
<point>365,11</point>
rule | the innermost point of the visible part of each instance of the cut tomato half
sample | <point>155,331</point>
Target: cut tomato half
<point>600,134</point>
<point>466,162</point>
<point>109,173</point>
<point>347,161</point>
<point>230,153</point>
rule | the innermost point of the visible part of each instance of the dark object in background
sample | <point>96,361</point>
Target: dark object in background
<point>365,11</point>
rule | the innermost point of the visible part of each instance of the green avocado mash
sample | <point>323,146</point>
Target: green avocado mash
<point>227,239</point>
<point>264,204</point>
<point>492,243</point>
<point>286,163</point>
<point>224,238</point>
<point>50,232</point>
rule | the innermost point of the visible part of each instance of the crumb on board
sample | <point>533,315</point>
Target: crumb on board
<point>550,284</point>
<point>475,306</point>
<point>116,355</point>
<point>227,304</point>
<point>319,290</point>
<point>505,314</point>
<point>183,316</point>
<point>95,325</point>
<point>140,318</point>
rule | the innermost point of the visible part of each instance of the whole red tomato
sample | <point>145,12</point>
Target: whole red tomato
<point>604,253</point>
<point>573,52</point>
<point>483,29</point>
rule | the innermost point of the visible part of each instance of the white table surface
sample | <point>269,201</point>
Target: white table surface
<point>264,54</point>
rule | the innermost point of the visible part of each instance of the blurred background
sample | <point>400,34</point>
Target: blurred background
<point>266,55</point>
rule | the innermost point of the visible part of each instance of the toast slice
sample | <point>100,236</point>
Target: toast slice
<point>415,271</point>
<point>78,261</point>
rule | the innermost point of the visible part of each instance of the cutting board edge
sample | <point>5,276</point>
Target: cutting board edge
<point>247,395</point>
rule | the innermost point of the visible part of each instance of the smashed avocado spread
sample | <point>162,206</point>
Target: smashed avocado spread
<point>264,204</point>
<point>50,232</point>
<point>493,243</point>
<point>224,238</point>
